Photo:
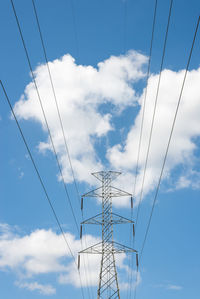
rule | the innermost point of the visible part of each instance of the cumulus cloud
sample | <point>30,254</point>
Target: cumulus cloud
<point>38,253</point>
<point>81,92</point>
<point>182,148</point>
<point>91,102</point>
<point>45,252</point>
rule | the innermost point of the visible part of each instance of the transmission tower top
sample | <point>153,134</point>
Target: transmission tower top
<point>101,175</point>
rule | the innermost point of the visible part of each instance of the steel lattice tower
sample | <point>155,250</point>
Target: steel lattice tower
<point>108,281</point>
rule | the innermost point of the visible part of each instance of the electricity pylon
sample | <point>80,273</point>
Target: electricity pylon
<point>108,282</point>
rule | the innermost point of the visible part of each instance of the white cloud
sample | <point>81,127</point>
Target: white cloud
<point>134,280</point>
<point>191,179</point>
<point>21,173</point>
<point>187,127</point>
<point>92,99</point>
<point>174,287</point>
<point>81,90</point>
<point>35,286</point>
<point>89,271</point>
<point>45,252</point>
<point>7,232</point>
<point>169,286</point>
<point>37,253</point>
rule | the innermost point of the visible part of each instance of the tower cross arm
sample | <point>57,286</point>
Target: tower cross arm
<point>101,175</point>
<point>116,192</point>
<point>94,193</point>
<point>115,247</point>
<point>116,219</point>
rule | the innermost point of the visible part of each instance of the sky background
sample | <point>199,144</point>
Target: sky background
<point>99,53</point>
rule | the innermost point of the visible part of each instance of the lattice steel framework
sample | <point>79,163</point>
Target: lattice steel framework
<point>108,282</point>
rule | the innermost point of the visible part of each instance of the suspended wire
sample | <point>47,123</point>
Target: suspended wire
<point>169,141</point>
<point>145,96</point>
<point>142,122</point>
<point>43,112</point>
<point>59,115</point>
<point>154,111</point>
<point>41,181</point>
<point>170,137</point>
<point>55,98</point>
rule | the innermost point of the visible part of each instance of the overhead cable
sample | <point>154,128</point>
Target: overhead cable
<point>41,181</point>
<point>154,111</point>
<point>55,98</point>
<point>142,121</point>
<point>169,141</point>
<point>145,96</point>
<point>153,116</point>
<point>58,112</point>
<point>44,115</point>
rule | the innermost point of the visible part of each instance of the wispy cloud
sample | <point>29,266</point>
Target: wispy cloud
<point>174,287</point>
<point>21,173</point>
<point>168,286</point>
<point>44,289</point>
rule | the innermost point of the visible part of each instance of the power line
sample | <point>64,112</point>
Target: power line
<point>57,105</point>
<point>171,133</point>
<point>169,141</point>
<point>145,96</point>
<point>43,112</point>
<point>154,111</point>
<point>153,116</point>
<point>41,181</point>
<point>55,98</point>
<point>143,114</point>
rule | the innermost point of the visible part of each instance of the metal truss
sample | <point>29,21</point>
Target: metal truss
<point>108,282</point>
<point>116,219</point>
<point>116,248</point>
<point>114,192</point>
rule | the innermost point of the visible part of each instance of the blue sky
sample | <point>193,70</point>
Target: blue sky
<point>98,52</point>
